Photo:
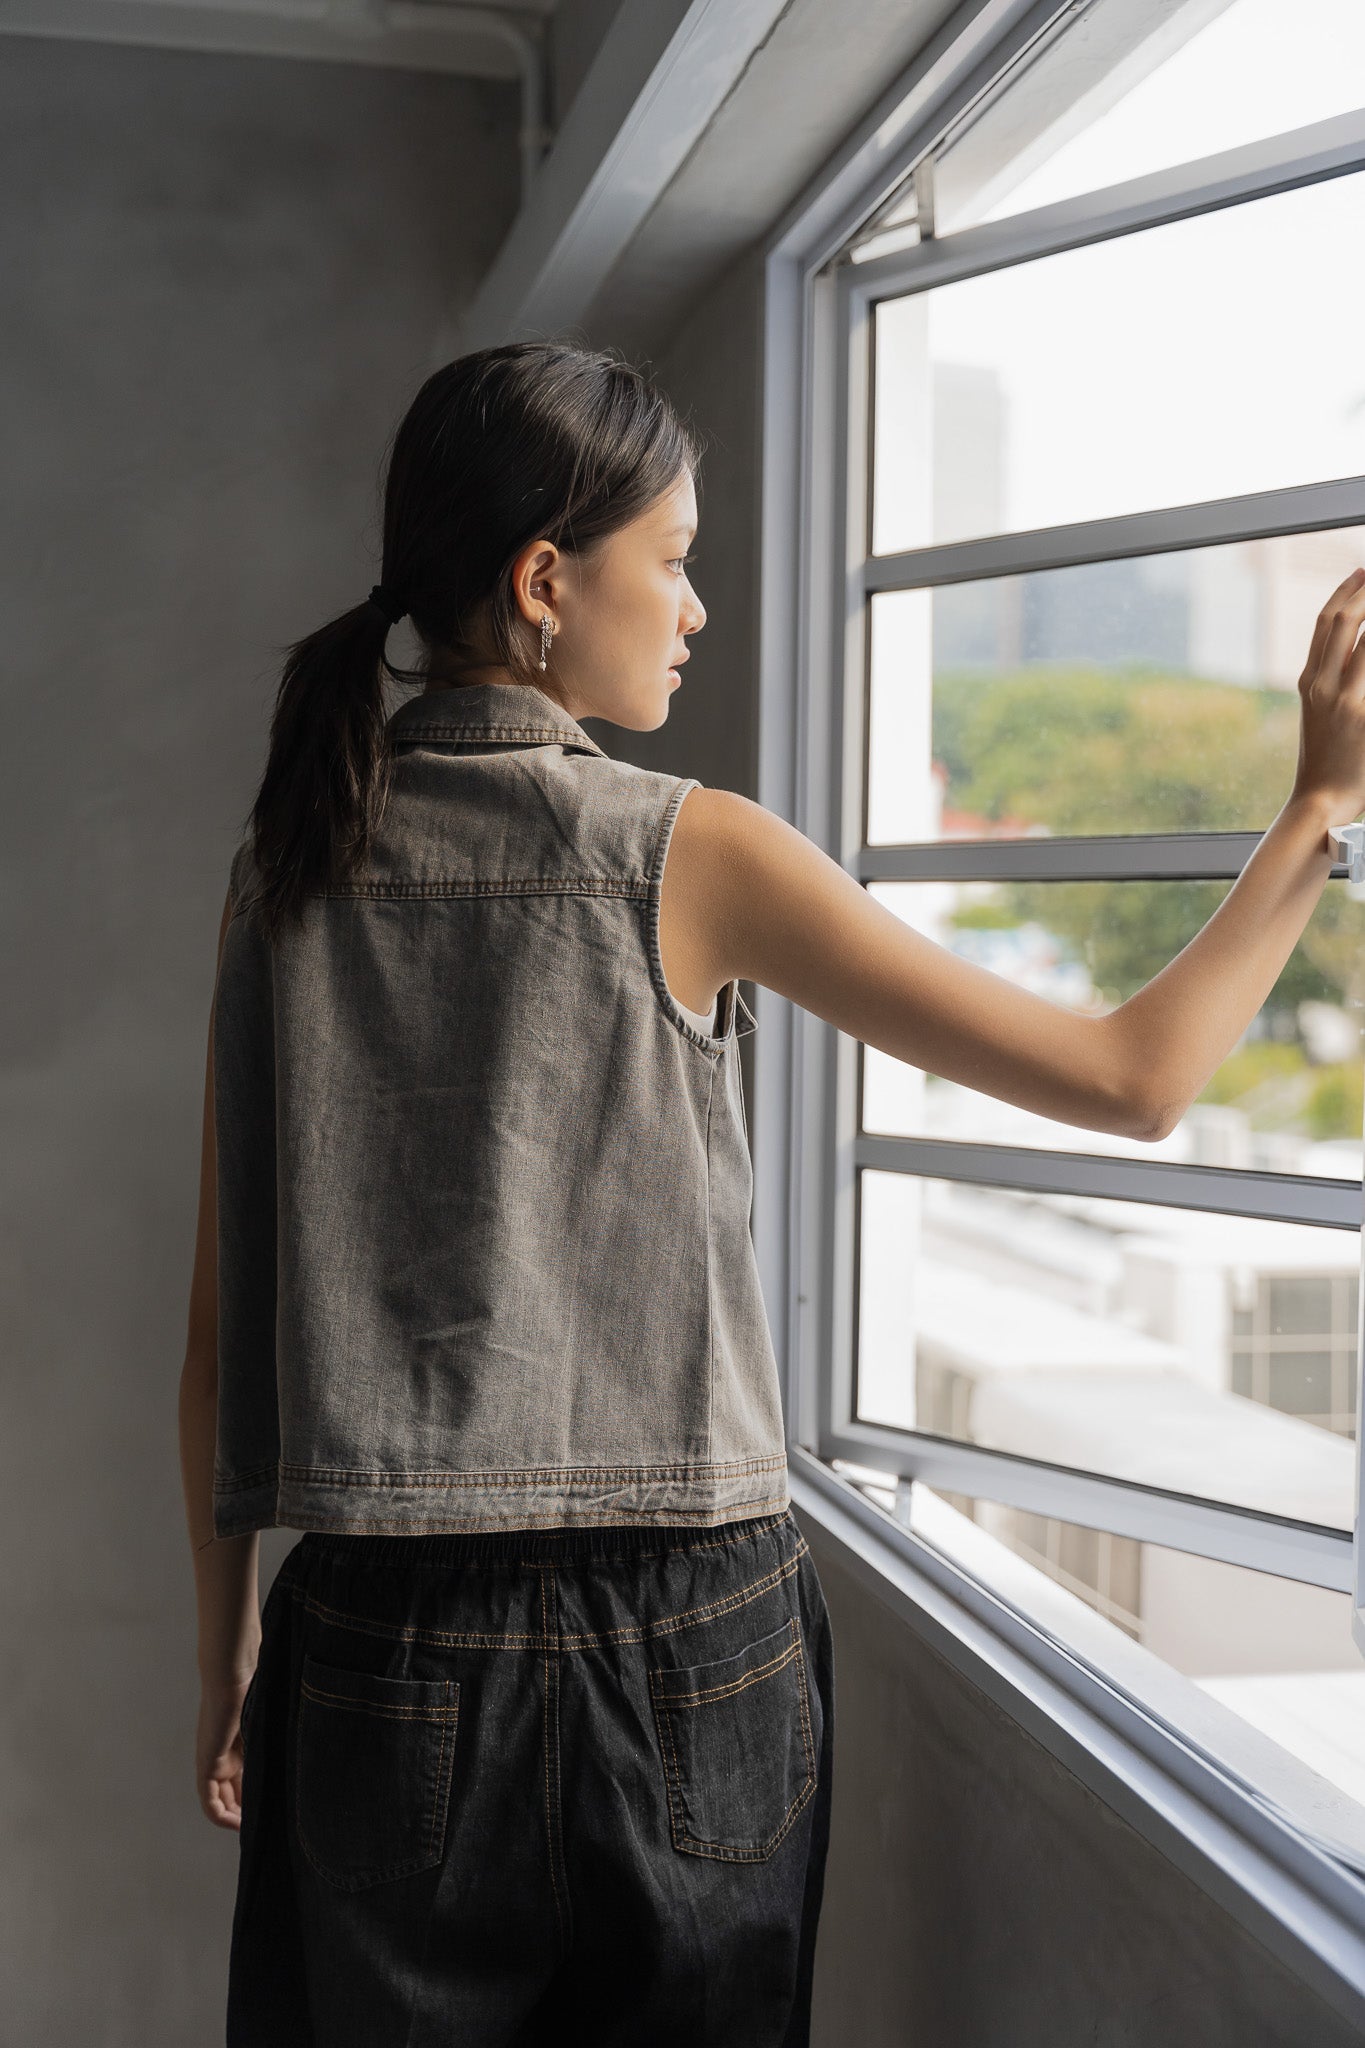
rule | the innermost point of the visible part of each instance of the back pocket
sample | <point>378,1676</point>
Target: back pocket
<point>372,1768</point>
<point>735,1737</point>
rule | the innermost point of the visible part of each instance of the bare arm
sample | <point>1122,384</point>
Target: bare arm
<point>781,912</point>
<point>225,1570</point>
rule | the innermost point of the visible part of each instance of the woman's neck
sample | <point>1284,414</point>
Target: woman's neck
<point>447,678</point>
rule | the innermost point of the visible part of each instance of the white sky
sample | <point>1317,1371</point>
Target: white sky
<point>1208,358</point>
<point>1257,69</point>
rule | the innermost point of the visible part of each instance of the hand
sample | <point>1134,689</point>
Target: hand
<point>1331,767</point>
<point>218,1751</point>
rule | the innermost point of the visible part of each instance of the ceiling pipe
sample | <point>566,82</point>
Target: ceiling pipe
<point>534,136</point>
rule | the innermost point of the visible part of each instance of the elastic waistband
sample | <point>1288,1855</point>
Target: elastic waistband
<point>568,1545</point>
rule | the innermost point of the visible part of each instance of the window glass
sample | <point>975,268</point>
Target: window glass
<point>1156,694</point>
<point>1104,1335</point>
<point>1178,364</point>
<point>1288,1098</point>
<point>1257,69</point>
<point>1277,1652</point>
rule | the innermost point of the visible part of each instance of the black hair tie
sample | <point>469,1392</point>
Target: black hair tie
<point>386,603</point>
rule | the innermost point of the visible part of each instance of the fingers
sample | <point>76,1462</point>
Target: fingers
<point>1341,637</point>
<point>220,1788</point>
<point>1326,617</point>
<point>222,1802</point>
<point>1338,623</point>
<point>1353,675</point>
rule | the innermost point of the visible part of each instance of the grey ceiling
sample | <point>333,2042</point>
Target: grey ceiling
<point>424,35</point>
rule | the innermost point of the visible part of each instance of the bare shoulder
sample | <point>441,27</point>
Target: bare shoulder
<point>731,839</point>
<point>747,891</point>
<point>717,831</point>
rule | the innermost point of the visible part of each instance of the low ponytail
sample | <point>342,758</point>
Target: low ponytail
<point>327,775</point>
<point>525,441</point>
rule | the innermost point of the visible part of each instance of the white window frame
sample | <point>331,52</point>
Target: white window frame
<point>817,576</point>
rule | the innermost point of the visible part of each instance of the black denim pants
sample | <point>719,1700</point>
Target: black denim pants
<point>547,1786</point>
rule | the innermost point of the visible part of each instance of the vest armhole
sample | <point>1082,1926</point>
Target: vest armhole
<point>667,1001</point>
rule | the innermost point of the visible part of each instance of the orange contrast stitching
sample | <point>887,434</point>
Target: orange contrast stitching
<point>545,1723</point>
<point>394,1709</point>
<point>487,1639</point>
<point>732,1686</point>
<point>693,1844</point>
<point>433,1847</point>
<point>476,1525</point>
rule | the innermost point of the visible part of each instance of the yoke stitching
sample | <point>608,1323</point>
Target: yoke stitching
<point>522,1639</point>
<point>455,728</point>
<point>498,885</point>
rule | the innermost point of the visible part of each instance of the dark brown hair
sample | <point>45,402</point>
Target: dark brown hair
<point>498,448</point>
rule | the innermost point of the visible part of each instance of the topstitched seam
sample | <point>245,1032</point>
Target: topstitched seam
<point>612,1519</point>
<point>379,1707</point>
<point>507,1476</point>
<point>731,1686</point>
<point>524,1639</point>
<point>696,1845</point>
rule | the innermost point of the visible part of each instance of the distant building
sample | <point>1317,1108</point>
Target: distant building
<point>1239,613</point>
<point>1200,1354</point>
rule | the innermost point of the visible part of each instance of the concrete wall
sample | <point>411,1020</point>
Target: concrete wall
<point>219,279</point>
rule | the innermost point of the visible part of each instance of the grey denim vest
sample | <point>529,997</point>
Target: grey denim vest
<point>484,1253</point>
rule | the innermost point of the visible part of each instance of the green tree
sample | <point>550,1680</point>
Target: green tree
<point>1085,750</point>
<point>1077,750</point>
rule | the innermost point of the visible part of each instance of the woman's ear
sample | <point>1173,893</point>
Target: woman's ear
<point>536,576</point>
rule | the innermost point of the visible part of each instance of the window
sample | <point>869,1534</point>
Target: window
<point>1274,1652</point>
<point>1093,458</point>
<point>1248,73</point>
<point>1147,369</point>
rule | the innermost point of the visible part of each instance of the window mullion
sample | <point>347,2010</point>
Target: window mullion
<point>1092,857</point>
<point>1305,1551</point>
<point>1224,1191</point>
<point>1306,508</point>
<point>1299,156</point>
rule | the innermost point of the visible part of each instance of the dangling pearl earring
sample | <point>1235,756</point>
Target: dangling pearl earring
<point>546,634</point>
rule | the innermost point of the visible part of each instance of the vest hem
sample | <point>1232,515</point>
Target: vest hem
<point>668,1496</point>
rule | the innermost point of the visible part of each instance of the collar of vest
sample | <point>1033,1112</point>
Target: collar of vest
<point>494,711</point>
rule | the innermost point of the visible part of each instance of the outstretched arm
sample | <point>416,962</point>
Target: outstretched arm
<point>759,900</point>
<point>225,1570</point>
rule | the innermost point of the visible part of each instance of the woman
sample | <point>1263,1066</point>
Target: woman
<point>533,1738</point>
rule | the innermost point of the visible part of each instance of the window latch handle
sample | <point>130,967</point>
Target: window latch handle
<point>1347,843</point>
